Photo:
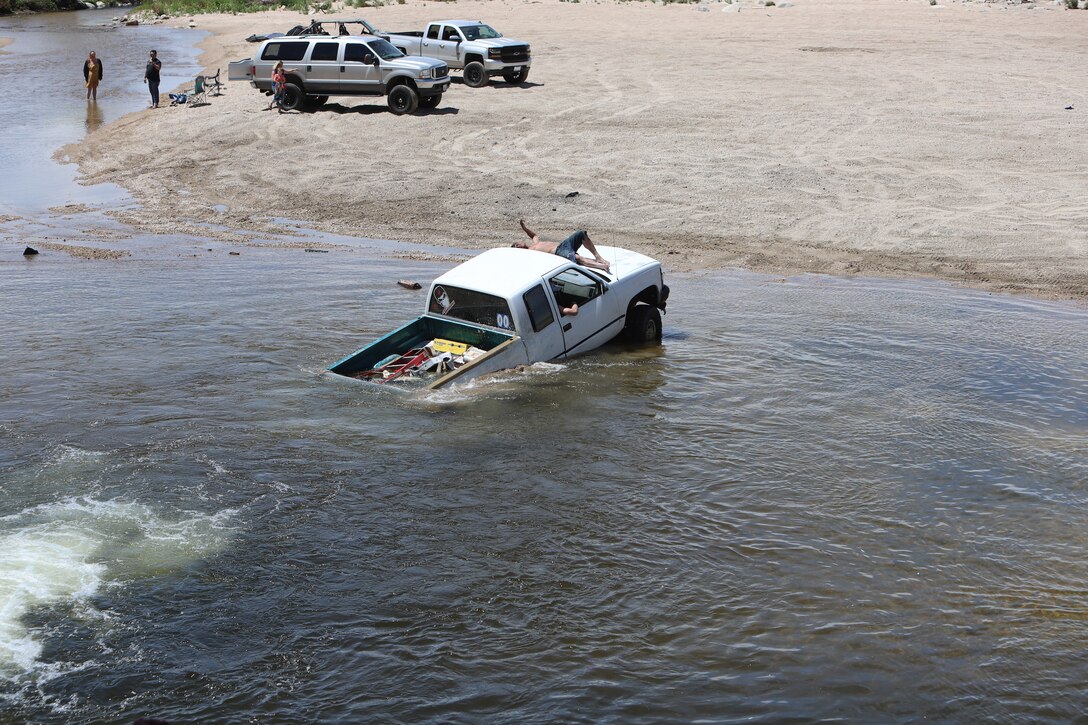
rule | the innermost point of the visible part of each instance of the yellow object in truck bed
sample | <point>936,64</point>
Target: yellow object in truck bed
<point>440,345</point>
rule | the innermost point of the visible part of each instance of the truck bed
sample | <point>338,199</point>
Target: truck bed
<point>411,33</point>
<point>500,351</point>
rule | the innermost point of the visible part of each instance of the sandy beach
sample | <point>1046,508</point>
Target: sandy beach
<point>880,138</point>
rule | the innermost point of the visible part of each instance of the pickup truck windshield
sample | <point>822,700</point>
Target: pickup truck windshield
<point>385,49</point>
<point>470,306</point>
<point>475,32</point>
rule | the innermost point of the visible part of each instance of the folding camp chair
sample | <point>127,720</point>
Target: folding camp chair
<point>199,94</point>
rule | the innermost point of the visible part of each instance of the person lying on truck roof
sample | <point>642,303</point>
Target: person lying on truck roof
<point>568,248</point>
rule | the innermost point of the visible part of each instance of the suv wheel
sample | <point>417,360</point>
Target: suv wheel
<point>430,101</point>
<point>475,75</point>
<point>402,100</point>
<point>292,97</point>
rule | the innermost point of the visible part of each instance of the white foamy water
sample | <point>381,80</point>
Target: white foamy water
<point>61,554</point>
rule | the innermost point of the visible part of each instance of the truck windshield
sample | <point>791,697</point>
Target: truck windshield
<point>475,32</point>
<point>384,49</point>
<point>470,306</point>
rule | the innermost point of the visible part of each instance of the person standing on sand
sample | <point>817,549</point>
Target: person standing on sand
<point>92,74</point>
<point>568,248</point>
<point>151,78</point>
<point>279,82</point>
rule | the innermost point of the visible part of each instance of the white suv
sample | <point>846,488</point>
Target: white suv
<point>319,66</point>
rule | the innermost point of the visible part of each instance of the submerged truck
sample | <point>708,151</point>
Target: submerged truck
<point>510,307</point>
<point>471,45</point>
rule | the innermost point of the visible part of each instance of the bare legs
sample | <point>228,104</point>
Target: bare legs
<point>602,263</point>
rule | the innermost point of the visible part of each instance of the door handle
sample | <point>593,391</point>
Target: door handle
<point>309,69</point>
<point>566,327</point>
<point>343,68</point>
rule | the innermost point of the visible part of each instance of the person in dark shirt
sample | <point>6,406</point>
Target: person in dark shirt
<point>92,74</point>
<point>151,78</point>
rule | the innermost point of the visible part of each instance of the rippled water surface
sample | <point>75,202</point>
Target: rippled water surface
<point>816,499</point>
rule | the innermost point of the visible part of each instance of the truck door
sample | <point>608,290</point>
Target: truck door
<point>323,69</point>
<point>358,74</point>
<point>449,47</point>
<point>428,47</point>
<point>596,321</point>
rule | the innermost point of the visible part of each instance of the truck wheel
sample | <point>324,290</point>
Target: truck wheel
<point>475,75</point>
<point>643,325</point>
<point>515,76</point>
<point>402,100</point>
<point>316,102</point>
<point>430,101</point>
<point>292,97</point>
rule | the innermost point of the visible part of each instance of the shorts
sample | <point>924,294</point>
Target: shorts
<point>568,248</point>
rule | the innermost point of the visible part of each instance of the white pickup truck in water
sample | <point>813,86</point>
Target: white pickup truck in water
<point>505,308</point>
<point>469,44</point>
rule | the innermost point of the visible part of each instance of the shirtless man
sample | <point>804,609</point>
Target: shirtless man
<point>568,248</point>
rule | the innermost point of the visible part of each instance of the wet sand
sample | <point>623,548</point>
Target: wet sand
<point>886,138</point>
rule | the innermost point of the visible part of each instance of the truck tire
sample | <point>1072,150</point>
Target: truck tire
<point>519,76</point>
<point>430,102</point>
<point>643,325</point>
<point>316,102</point>
<point>403,99</point>
<point>293,97</point>
<point>475,76</point>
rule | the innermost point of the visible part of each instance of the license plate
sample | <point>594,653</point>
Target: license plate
<point>517,69</point>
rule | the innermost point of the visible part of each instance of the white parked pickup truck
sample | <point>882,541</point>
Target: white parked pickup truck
<point>510,307</point>
<point>469,44</point>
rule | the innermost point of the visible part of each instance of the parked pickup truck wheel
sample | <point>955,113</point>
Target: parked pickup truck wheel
<point>643,324</point>
<point>430,101</point>
<point>292,97</point>
<point>515,76</point>
<point>475,75</point>
<point>402,100</point>
<point>316,102</point>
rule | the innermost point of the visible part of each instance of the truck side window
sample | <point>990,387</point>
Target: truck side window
<point>540,312</point>
<point>285,51</point>
<point>324,51</point>
<point>572,286</point>
<point>432,32</point>
<point>450,33</point>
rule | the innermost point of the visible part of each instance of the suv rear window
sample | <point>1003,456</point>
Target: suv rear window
<point>285,51</point>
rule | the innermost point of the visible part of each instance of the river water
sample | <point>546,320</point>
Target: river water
<point>819,498</point>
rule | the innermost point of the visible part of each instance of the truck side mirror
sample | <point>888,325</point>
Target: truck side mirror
<point>369,59</point>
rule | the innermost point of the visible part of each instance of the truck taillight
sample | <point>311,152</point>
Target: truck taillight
<point>252,71</point>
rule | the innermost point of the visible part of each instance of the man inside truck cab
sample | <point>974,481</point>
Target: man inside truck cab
<point>568,249</point>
